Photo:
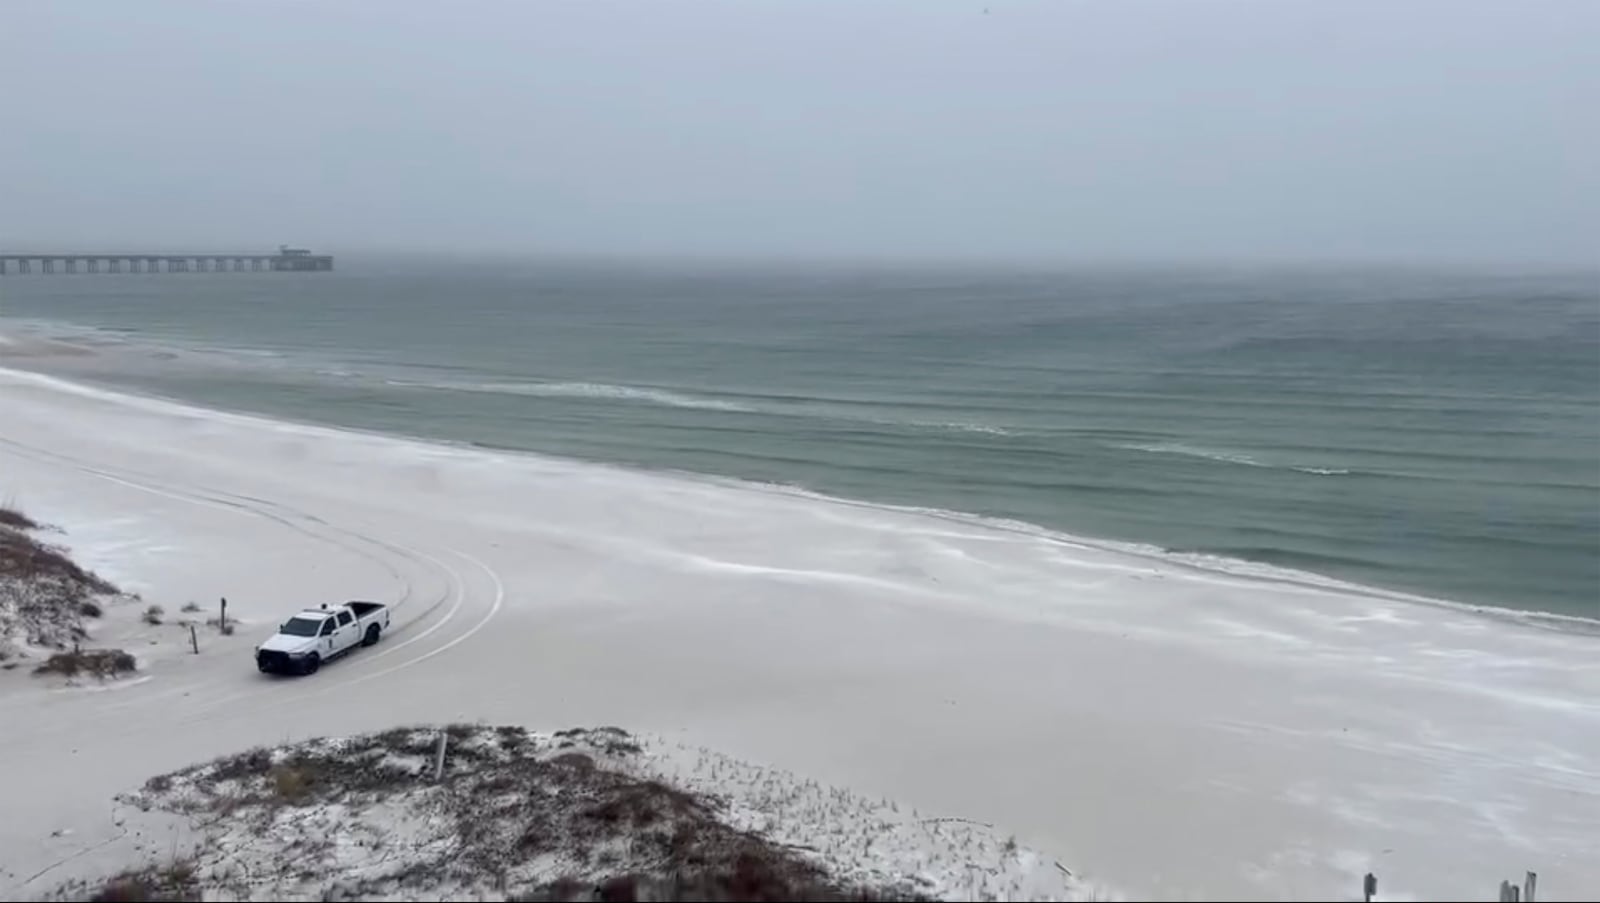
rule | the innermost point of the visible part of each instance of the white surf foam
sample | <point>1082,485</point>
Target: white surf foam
<point>604,391</point>
<point>1225,457</point>
<point>1192,451</point>
<point>956,427</point>
<point>811,408</point>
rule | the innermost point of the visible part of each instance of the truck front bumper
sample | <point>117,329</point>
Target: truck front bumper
<point>270,662</point>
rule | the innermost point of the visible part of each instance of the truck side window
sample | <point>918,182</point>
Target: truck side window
<point>345,619</point>
<point>327,627</point>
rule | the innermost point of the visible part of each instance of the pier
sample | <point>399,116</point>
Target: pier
<point>286,260</point>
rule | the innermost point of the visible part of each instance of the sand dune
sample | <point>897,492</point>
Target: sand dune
<point>1165,728</point>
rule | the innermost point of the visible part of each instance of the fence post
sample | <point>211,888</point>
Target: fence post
<point>194,639</point>
<point>1530,884</point>
<point>222,622</point>
<point>438,759</point>
<point>1369,887</point>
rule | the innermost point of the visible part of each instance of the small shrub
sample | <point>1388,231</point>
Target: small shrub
<point>227,629</point>
<point>573,760</point>
<point>11,517</point>
<point>247,764</point>
<point>152,615</point>
<point>292,785</point>
<point>90,609</point>
<point>175,882</point>
<point>191,607</point>
<point>101,663</point>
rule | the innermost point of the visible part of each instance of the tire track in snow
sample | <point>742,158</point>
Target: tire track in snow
<point>251,506</point>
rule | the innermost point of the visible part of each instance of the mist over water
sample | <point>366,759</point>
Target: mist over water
<point>1429,432</point>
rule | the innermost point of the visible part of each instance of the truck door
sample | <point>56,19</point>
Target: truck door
<point>326,638</point>
<point>349,632</point>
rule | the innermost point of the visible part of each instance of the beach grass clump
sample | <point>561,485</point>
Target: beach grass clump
<point>11,517</point>
<point>101,663</point>
<point>23,557</point>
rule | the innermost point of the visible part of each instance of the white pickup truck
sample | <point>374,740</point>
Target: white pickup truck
<point>315,635</point>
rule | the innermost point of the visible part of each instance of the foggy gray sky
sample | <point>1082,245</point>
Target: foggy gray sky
<point>922,128</point>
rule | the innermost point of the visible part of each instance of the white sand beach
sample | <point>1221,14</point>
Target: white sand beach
<point>1166,729</point>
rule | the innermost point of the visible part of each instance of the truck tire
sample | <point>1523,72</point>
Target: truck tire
<point>313,662</point>
<point>371,639</point>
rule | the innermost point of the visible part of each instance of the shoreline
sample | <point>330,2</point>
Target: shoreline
<point>1455,484</point>
<point>1171,730</point>
<point>1201,562</point>
<point>1442,571</point>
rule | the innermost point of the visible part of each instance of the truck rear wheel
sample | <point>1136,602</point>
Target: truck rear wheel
<point>313,662</point>
<point>371,639</point>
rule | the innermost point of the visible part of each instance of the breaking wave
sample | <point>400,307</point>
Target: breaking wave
<point>954,427</point>
<point>1226,457</point>
<point>644,395</point>
<point>605,391</point>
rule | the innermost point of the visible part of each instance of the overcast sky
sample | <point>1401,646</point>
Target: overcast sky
<point>922,128</point>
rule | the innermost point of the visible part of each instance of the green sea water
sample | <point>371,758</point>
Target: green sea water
<point>1430,432</point>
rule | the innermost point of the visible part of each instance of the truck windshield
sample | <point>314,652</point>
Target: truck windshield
<point>301,627</point>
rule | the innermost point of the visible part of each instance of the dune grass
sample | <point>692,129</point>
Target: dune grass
<point>101,663</point>
<point>11,517</point>
<point>513,816</point>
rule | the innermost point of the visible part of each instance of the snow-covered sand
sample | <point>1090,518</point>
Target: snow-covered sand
<point>1160,727</point>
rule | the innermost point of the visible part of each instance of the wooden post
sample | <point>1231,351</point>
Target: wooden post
<point>1369,887</point>
<point>438,759</point>
<point>222,622</point>
<point>1530,884</point>
<point>194,639</point>
<point>1509,893</point>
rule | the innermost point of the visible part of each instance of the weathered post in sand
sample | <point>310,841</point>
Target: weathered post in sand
<point>194,639</point>
<point>222,621</point>
<point>438,758</point>
<point>1369,887</point>
<point>1529,885</point>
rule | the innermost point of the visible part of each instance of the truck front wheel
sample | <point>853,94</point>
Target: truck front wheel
<point>371,638</point>
<point>313,662</point>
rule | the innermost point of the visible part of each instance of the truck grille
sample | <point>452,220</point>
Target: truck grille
<point>269,660</point>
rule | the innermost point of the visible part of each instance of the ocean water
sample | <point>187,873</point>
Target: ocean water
<point>1430,432</point>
